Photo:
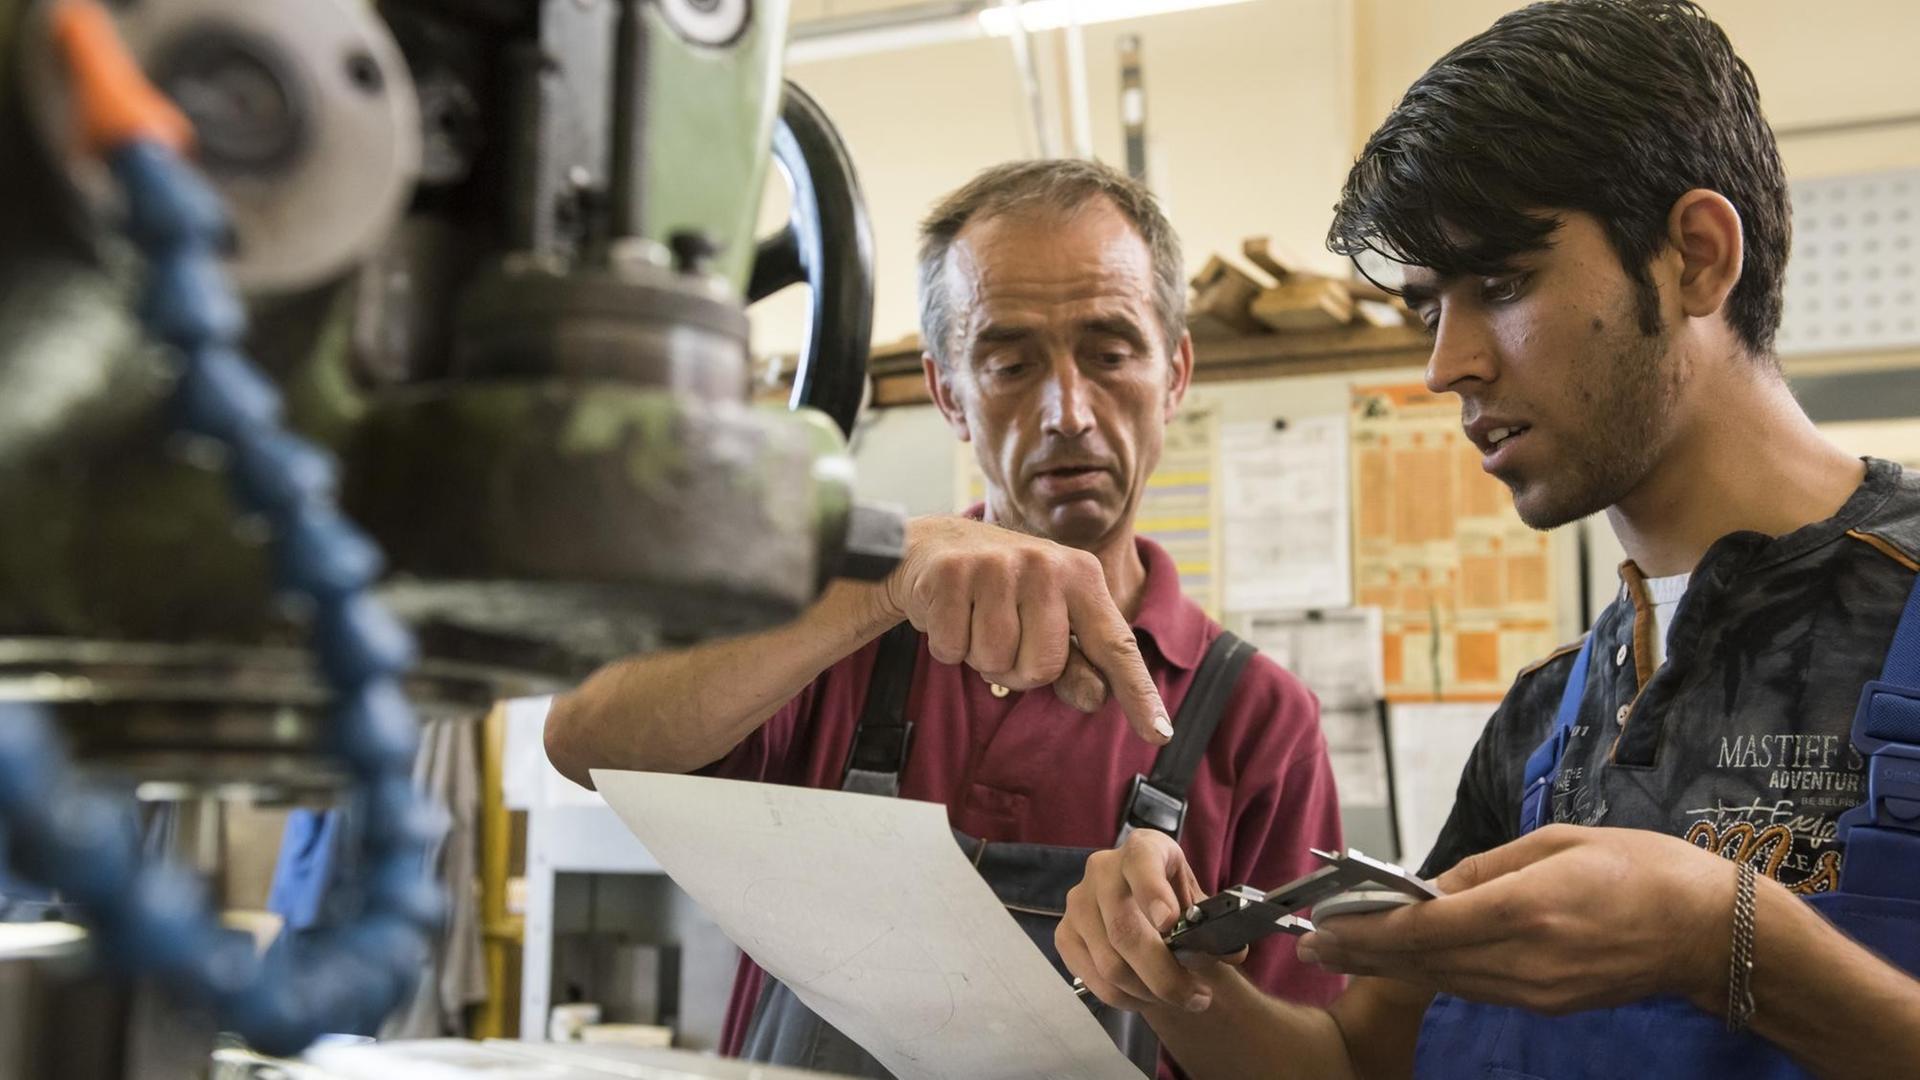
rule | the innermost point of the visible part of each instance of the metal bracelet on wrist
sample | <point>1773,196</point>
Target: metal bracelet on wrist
<point>1740,960</point>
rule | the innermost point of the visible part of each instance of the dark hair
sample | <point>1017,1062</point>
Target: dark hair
<point>1614,108</point>
<point>1061,186</point>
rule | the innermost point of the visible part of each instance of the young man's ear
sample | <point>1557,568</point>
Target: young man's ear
<point>1704,231</point>
<point>940,389</point>
<point>1180,375</point>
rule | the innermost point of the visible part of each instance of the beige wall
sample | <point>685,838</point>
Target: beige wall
<point>1247,108</point>
<point>1816,63</point>
<point>1255,110</point>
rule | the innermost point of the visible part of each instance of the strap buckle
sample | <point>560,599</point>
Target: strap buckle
<point>1148,807</point>
<point>1893,793</point>
<point>1888,716</point>
<point>1533,804</point>
<point>881,749</point>
<point>1886,728</point>
<point>1543,769</point>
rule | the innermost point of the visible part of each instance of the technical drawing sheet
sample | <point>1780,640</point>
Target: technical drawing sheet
<point>868,910</point>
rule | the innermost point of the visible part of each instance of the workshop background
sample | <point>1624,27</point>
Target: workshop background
<point>1400,585</point>
<point>1316,498</point>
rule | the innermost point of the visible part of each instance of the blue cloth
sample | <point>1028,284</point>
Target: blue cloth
<point>303,877</point>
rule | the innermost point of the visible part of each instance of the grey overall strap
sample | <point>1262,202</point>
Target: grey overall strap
<point>1159,801</point>
<point>880,741</point>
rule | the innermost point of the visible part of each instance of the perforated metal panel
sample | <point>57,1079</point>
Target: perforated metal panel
<point>1853,281</point>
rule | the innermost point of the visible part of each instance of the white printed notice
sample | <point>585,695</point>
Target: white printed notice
<point>867,909</point>
<point>1286,503</point>
<point>1431,744</point>
<point>1337,654</point>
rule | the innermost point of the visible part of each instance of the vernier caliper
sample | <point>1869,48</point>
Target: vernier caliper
<point>1348,884</point>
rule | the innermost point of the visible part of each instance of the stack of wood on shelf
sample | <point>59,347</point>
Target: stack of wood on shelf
<point>1231,301</point>
<point>894,369</point>
<point>1268,318</point>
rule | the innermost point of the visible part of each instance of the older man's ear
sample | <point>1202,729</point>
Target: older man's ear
<point>944,398</point>
<point>1179,373</point>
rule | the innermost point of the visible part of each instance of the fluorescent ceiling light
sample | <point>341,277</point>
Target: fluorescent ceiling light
<point>937,22</point>
<point>882,38</point>
<point>1041,15</point>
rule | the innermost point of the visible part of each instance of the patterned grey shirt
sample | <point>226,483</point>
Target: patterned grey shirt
<point>1741,742</point>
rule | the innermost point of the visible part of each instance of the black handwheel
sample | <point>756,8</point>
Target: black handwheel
<point>827,245</point>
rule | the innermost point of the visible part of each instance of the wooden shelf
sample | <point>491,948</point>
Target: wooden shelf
<point>897,379</point>
<point>1353,348</point>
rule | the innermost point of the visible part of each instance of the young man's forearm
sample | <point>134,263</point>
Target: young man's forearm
<point>1367,1034</point>
<point>678,711</point>
<point>1824,998</point>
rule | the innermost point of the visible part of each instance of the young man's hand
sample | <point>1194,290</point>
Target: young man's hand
<point>1561,920</point>
<point>1025,613</point>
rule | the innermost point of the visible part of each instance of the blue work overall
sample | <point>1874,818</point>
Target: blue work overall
<point>1877,904</point>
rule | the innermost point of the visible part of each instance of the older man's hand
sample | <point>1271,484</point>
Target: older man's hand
<point>1026,613</point>
<point>1111,935</point>
<point>1561,920</point>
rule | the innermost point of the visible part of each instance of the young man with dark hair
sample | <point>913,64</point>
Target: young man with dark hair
<point>1054,312</point>
<point>1689,846</point>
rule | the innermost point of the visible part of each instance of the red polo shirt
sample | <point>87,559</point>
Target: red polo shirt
<point>1026,768</point>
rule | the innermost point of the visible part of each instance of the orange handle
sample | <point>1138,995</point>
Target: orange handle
<point>113,101</point>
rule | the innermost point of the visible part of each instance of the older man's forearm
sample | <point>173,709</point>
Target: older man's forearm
<point>680,710</point>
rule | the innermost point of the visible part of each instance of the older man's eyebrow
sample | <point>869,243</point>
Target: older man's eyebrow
<point>994,335</point>
<point>1115,326</point>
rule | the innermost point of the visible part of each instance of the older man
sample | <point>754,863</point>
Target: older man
<point>1052,304</point>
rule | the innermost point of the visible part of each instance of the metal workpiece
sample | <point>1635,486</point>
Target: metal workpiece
<point>199,720</point>
<point>1345,872</point>
<point>1227,922</point>
<point>631,321</point>
<point>1347,883</point>
<point>1230,921</point>
<point>618,387</point>
<point>594,511</point>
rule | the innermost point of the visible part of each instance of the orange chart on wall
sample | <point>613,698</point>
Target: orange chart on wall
<point>1465,587</point>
